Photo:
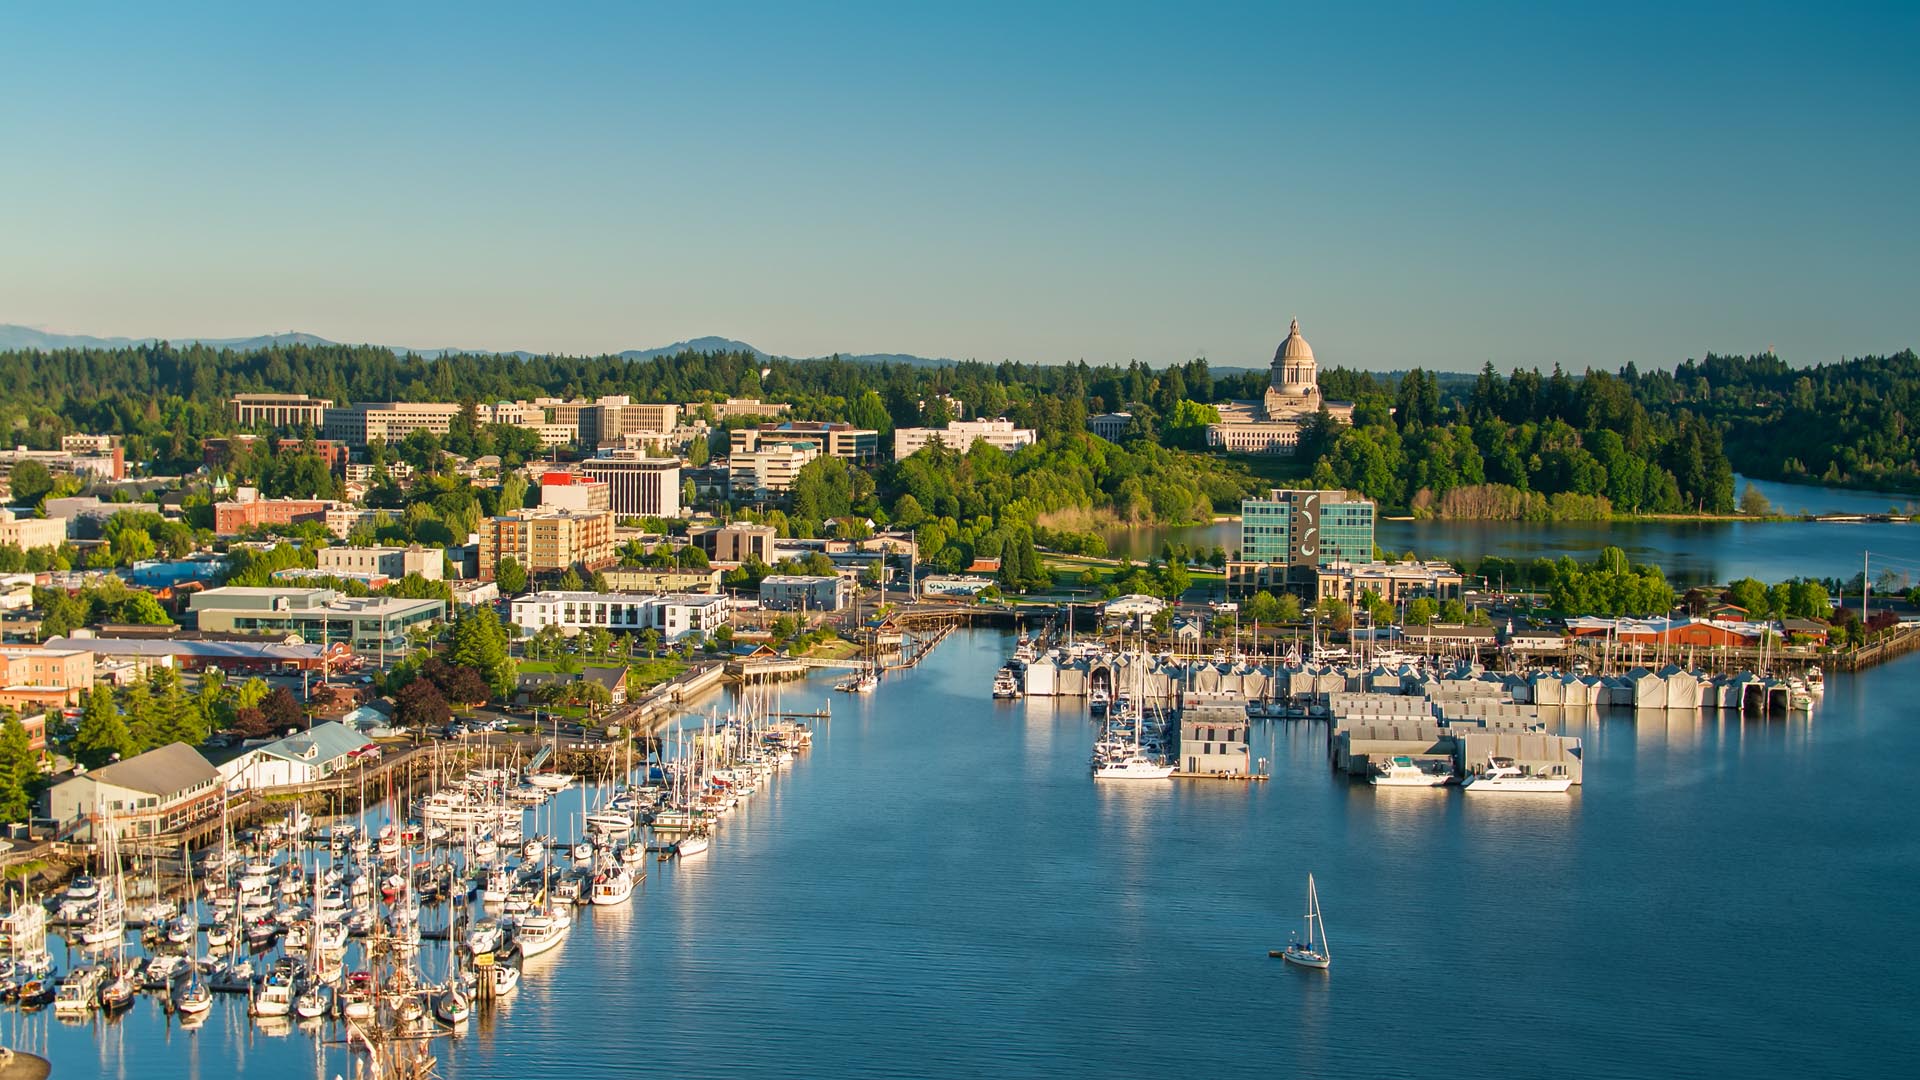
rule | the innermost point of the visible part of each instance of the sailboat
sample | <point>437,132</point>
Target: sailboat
<point>1313,952</point>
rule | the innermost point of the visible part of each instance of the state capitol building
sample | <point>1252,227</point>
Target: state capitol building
<point>1272,425</point>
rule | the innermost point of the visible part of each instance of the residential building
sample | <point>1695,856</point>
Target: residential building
<point>734,543</point>
<point>1273,425</point>
<point>390,422</point>
<point>52,677</point>
<point>28,533</point>
<point>583,494</point>
<point>805,592</point>
<point>961,435</point>
<point>110,464</point>
<point>1393,582</point>
<point>673,615</point>
<point>1287,537</point>
<point>305,757</point>
<point>389,562</point>
<point>628,580</point>
<point>366,623</point>
<point>640,486</point>
<point>1110,426</point>
<point>769,471</point>
<point>546,540</point>
<point>278,411</point>
<point>1214,741</point>
<point>858,445</point>
<point>161,791</point>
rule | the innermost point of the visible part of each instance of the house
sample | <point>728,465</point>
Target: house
<point>302,758</point>
<point>161,791</point>
<point>373,719</point>
<point>1136,609</point>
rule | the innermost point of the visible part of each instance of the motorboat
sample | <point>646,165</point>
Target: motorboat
<point>864,683</point>
<point>164,970</point>
<point>357,997</point>
<point>1503,777</point>
<point>1005,686</point>
<point>538,933</point>
<point>506,979</point>
<point>80,992</point>
<point>550,781</point>
<point>275,997</point>
<point>612,886</point>
<point>1097,702</point>
<point>1403,771</point>
<point>1132,767</point>
<point>484,936</point>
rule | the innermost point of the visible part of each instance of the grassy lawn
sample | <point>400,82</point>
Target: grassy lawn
<point>837,649</point>
<point>646,674</point>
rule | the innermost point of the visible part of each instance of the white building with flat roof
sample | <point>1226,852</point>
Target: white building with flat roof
<point>674,615</point>
<point>961,435</point>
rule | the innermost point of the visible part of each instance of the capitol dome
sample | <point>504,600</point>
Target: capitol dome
<point>1295,349</point>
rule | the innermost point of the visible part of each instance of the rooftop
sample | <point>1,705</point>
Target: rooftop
<point>168,770</point>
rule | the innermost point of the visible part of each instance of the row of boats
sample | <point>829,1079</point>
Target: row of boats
<point>332,928</point>
<point>1500,776</point>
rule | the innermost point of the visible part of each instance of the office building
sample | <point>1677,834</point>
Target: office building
<point>387,562</point>
<point>390,422</point>
<point>961,435</point>
<point>639,486</point>
<point>319,616</point>
<point>758,474</point>
<point>734,543</point>
<point>278,411</point>
<point>28,533</point>
<point>805,592</point>
<point>565,491</point>
<point>858,445</point>
<point>1287,537</point>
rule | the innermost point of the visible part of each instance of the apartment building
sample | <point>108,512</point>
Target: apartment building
<point>758,474</point>
<point>674,616</point>
<point>547,540</point>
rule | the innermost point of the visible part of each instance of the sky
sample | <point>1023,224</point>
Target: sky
<point>1428,184</point>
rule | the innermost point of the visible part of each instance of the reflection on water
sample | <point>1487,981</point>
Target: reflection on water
<point>940,889</point>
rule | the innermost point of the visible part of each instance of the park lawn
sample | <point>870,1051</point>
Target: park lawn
<point>645,674</point>
<point>837,649</point>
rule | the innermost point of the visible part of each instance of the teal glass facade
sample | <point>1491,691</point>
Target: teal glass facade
<point>1345,532</point>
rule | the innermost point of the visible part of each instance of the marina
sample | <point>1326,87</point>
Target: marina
<point>740,957</point>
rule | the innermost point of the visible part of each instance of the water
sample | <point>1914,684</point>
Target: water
<point>1691,552</point>
<point>939,889</point>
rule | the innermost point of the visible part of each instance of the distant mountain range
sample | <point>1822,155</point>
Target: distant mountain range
<point>16,337</point>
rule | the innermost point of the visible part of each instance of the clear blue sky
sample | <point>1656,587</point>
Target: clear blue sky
<point>1423,184</point>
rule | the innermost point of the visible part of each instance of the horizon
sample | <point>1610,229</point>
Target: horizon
<point>1432,188</point>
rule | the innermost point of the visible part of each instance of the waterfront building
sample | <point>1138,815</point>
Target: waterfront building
<point>27,533</point>
<point>1133,609</point>
<point>770,470</point>
<point>366,623</point>
<point>858,445</point>
<point>565,491</point>
<point>1214,741</point>
<point>1720,633</point>
<point>278,411</point>
<point>1393,582</point>
<point>1273,424</point>
<point>805,592</point>
<point>638,486</point>
<point>302,758</point>
<point>1287,537</point>
<point>734,543</point>
<point>161,791</point>
<point>547,540</point>
<point>390,422</point>
<point>388,562</point>
<point>673,615</point>
<point>961,435</point>
<point>1110,426</point>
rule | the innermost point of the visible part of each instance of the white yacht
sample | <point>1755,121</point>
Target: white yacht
<point>1503,777</point>
<point>79,991</point>
<point>1005,686</point>
<point>1135,766</point>
<point>549,781</point>
<point>612,886</point>
<point>1403,771</point>
<point>538,933</point>
<point>695,843</point>
<point>864,683</point>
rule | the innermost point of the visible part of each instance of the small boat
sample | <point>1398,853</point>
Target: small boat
<point>1134,766</point>
<point>315,1003</point>
<point>692,844</point>
<point>612,886</point>
<point>193,999</point>
<point>506,979</point>
<point>550,781</point>
<point>1313,952</point>
<point>357,998</point>
<point>80,992</point>
<point>1403,771</point>
<point>1005,686</point>
<point>452,1006</point>
<point>1503,777</point>
<point>37,993</point>
<point>118,992</point>
<point>163,971</point>
<point>484,936</point>
<point>1097,702</point>
<point>864,683</point>
<point>536,934</point>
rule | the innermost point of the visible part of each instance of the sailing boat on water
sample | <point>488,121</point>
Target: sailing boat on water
<point>1313,952</point>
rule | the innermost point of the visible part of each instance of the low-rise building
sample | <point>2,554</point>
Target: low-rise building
<point>673,615</point>
<point>1134,609</point>
<point>161,791</point>
<point>629,580</point>
<point>248,511</point>
<point>566,491</point>
<point>757,474</point>
<point>961,435</point>
<point>954,585</point>
<point>388,562</point>
<point>199,654</point>
<point>734,543</point>
<point>302,758</point>
<point>1214,742</point>
<point>1394,582</point>
<point>805,592</point>
<point>27,533</point>
<point>1110,426</point>
<point>55,677</point>
<point>366,623</point>
<point>858,445</point>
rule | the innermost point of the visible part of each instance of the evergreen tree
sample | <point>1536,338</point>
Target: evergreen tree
<point>103,733</point>
<point>19,769</point>
<point>480,642</point>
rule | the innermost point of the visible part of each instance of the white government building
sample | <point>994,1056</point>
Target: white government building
<point>961,435</point>
<point>1273,424</point>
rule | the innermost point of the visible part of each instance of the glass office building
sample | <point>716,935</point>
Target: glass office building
<point>1289,535</point>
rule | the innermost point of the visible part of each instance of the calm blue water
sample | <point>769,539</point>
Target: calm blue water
<point>1691,552</point>
<point>940,889</point>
